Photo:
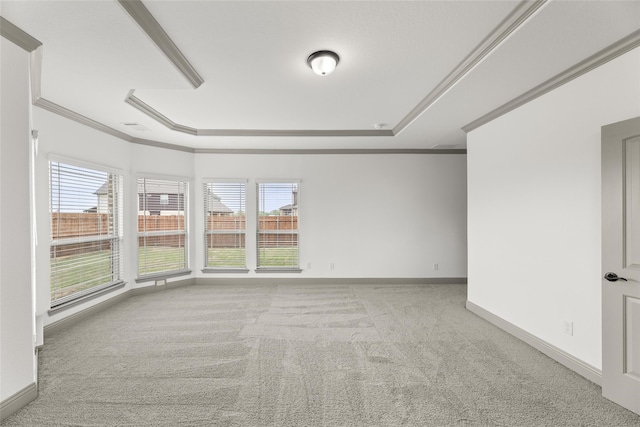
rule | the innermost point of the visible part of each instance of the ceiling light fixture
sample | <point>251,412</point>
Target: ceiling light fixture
<point>323,62</point>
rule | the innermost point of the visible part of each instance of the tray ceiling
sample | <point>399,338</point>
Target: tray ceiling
<point>423,69</point>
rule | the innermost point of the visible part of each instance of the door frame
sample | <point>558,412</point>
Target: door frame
<point>614,386</point>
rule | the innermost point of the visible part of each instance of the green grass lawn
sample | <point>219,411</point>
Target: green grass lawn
<point>76,273</point>
<point>278,257</point>
<point>267,257</point>
<point>154,259</point>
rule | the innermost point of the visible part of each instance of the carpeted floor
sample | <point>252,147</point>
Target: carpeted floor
<point>357,355</point>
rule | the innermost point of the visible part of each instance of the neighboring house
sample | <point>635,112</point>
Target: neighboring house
<point>153,199</point>
<point>103,200</point>
<point>160,199</point>
<point>216,207</point>
<point>291,209</point>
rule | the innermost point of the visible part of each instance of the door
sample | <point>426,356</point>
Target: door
<point>621,263</point>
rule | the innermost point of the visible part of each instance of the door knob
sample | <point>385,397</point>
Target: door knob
<point>613,277</point>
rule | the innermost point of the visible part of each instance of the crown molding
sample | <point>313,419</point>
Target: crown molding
<point>293,132</point>
<point>35,74</point>
<point>145,108</point>
<point>14,34</point>
<point>607,54</point>
<point>148,23</point>
<point>330,151</point>
<point>511,23</point>
<point>72,115</point>
<point>165,145</point>
<point>137,103</point>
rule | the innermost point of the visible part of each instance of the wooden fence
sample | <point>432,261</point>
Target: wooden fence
<point>70,225</point>
<point>73,225</point>
<point>265,223</point>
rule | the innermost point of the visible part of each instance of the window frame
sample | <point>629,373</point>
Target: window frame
<point>207,233</point>
<point>144,234</point>
<point>296,232</point>
<point>116,239</point>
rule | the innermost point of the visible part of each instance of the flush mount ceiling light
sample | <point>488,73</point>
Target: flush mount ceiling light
<point>323,62</point>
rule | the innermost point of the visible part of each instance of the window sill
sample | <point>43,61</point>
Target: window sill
<point>162,275</point>
<point>84,297</point>
<point>278,270</point>
<point>225,270</point>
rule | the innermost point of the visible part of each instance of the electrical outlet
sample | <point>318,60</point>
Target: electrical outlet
<point>308,266</point>
<point>567,327</point>
<point>161,282</point>
<point>331,266</point>
<point>435,266</point>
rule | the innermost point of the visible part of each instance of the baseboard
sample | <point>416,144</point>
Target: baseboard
<point>13,404</point>
<point>168,285</point>
<point>578,366</point>
<point>329,281</point>
<point>76,317</point>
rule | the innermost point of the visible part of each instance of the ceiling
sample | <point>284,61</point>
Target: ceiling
<point>422,69</point>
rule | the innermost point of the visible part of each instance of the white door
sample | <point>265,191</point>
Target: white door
<point>621,263</point>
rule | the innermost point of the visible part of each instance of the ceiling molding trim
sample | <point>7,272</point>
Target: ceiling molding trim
<point>151,112</point>
<point>520,14</point>
<point>156,115</point>
<point>148,23</point>
<point>17,36</point>
<point>605,55</point>
<point>329,151</point>
<point>35,74</point>
<point>72,115</point>
<point>165,145</point>
<point>290,132</point>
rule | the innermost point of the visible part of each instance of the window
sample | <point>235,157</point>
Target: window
<point>85,213</point>
<point>225,225</point>
<point>162,230</point>
<point>278,231</point>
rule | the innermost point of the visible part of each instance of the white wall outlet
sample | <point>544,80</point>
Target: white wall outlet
<point>435,266</point>
<point>161,282</point>
<point>331,266</point>
<point>567,327</point>
<point>308,266</point>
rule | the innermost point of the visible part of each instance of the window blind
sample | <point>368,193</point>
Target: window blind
<point>225,225</point>
<point>84,208</point>
<point>162,230</point>
<point>277,231</point>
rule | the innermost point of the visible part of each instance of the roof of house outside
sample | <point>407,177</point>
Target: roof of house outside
<point>102,189</point>
<point>155,187</point>
<point>215,205</point>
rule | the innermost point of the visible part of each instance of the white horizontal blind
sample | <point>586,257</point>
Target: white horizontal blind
<point>84,207</point>
<point>225,224</point>
<point>278,231</point>
<point>162,230</point>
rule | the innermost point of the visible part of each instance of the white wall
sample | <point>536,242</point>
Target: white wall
<point>534,207</point>
<point>63,139</point>
<point>387,216</point>
<point>17,357</point>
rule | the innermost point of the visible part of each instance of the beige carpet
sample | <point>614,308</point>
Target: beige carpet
<point>360,355</point>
